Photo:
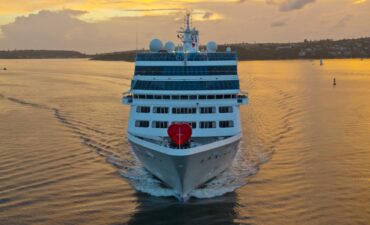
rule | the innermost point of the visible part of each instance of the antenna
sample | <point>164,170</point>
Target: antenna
<point>136,35</point>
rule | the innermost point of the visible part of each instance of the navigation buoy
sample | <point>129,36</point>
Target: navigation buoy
<point>179,133</point>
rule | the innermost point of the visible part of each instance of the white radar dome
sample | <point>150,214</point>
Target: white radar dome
<point>228,49</point>
<point>211,46</point>
<point>155,45</point>
<point>169,46</point>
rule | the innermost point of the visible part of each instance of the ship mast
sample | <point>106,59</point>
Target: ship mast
<point>189,36</point>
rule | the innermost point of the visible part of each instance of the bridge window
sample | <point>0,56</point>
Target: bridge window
<point>226,124</point>
<point>225,109</point>
<point>141,123</point>
<point>160,124</point>
<point>185,85</point>
<point>161,110</point>
<point>207,124</point>
<point>143,109</point>
<point>207,110</point>
<point>184,110</point>
<point>185,70</point>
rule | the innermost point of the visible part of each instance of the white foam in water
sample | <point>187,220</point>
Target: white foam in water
<point>143,181</point>
<point>230,180</point>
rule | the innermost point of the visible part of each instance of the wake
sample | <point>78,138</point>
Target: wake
<point>132,170</point>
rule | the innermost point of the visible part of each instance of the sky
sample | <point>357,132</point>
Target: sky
<point>96,26</point>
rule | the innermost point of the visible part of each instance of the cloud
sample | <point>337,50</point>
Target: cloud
<point>280,23</point>
<point>360,1</point>
<point>64,30</point>
<point>207,15</point>
<point>343,21</point>
<point>220,20</point>
<point>289,5</point>
<point>154,10</point>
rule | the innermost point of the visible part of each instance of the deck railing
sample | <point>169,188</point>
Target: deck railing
<point>199,56</point>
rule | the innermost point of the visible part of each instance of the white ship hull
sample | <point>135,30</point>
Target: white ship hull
<point>186,169</point>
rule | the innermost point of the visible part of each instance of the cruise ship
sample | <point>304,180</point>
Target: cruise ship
<point>185,103</point>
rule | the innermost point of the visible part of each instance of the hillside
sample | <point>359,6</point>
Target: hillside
<point>40,54</point>
<point>347,48</point>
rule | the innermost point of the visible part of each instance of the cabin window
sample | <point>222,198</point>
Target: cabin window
<point>192,124</point>
<point>143,109</point>
<point>166,96</point>
<point>192,97</point>
<point>207,124</point>
<point>226,124</point>
<point>207,110</point>
<point>225,109</point>
<point>160,124</point>
<point>184,110</point>
<point>141,123</point>
<point>160,110</point>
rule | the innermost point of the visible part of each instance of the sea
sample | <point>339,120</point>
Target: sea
<point>65,158</point>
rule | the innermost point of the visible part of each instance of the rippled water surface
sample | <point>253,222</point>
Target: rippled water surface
<point>65,158</point>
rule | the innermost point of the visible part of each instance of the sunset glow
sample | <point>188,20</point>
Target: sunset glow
<point>225,20</point>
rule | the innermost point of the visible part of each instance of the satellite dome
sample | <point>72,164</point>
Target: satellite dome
<point>155,45</point>
<point>169,46</point>
<point>211,46</point>
<point>228,49</point>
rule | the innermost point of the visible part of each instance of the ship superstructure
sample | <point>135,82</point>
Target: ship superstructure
<point>183,85</point>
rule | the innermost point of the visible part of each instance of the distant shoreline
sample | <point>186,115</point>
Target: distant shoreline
<point>41,54</point>
<point>323,49</point>
<point>310,50</point>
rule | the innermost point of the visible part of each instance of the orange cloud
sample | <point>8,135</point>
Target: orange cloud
<point>98,10</point>
<point>360,1</point>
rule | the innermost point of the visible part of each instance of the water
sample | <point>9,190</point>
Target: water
<point>65,158</point>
